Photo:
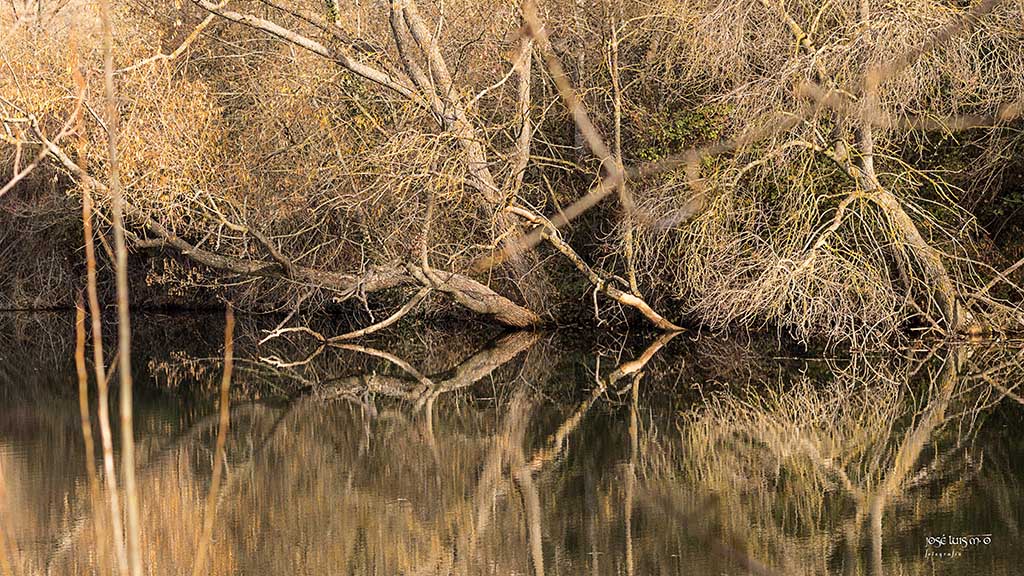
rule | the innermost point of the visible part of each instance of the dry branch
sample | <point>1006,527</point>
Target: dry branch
<point>366,331</point>
<point>601,284</point>
<point>341,57</point>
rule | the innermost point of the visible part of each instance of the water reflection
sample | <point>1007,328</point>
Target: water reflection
<point>529,454</point>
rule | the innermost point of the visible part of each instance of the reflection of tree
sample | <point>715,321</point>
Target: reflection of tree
<point>269,429</point>
<point>779,456</point>
<point>524,469</point>
<point>521,458</point>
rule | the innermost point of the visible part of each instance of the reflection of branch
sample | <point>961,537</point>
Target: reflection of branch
<point>531,502</point>
<point>390,358</point>
<point>914,442</point>
<point>634,366</point>
<point>507,444</point>
<point>509,448</point>
<point>634,454</point>
<point>556,442</point>
<point>467,373</point>
<point>390,320</point>
<point>64,542</point>
<point>486,361</point>
<point>842,439</point>
<point>5,554</point>
<point>222,435</point>
<point>422,391</point>
<point>99,528</point>
<point>1006,391</point>
<point>908,453</point>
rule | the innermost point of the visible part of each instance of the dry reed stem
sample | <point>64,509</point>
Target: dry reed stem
<point>124,334</point>
<point>102,384</point>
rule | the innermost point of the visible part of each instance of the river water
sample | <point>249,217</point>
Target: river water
<point>471,453</point>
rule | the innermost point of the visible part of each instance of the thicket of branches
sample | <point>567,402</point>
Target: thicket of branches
<point>805,165</point>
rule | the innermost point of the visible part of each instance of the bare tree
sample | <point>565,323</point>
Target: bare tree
<point>296,159</point>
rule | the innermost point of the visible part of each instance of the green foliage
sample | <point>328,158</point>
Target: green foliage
<point>332,10</point>
<point>674,129</point>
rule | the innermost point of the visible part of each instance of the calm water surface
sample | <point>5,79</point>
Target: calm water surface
<point>475,454</point>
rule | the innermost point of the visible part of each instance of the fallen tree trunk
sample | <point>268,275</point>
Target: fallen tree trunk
<point>466,291</point>
<point>475,296</point>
